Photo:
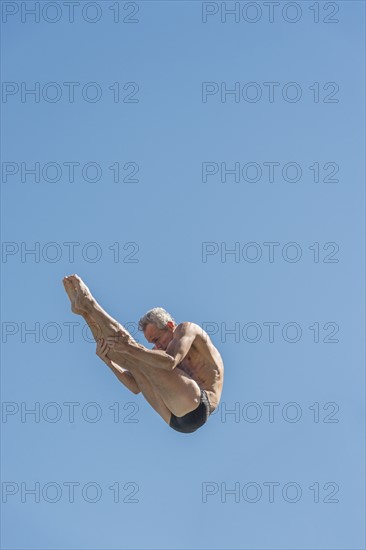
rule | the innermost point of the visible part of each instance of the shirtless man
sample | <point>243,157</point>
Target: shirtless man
<point>181,377</point>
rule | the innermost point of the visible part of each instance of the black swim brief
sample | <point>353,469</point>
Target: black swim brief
<point>193,420</point>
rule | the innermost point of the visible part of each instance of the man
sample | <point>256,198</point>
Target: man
<point>181,377</point>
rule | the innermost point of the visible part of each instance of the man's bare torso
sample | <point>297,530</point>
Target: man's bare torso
<point>204,364</point>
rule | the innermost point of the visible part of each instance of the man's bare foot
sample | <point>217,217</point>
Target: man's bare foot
<point>79,294</point>
<point>71,292</point>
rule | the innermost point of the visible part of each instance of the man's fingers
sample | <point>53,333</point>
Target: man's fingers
<point>102,347</point>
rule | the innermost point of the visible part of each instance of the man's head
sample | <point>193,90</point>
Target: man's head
<point>158,327</point>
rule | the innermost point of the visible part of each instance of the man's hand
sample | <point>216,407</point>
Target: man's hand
<point>122,374</point>
<point>118,342</point>
<point>102,351</point>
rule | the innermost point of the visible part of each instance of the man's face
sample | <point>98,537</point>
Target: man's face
<point>160,337</point>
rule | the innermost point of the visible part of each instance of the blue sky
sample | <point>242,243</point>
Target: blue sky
<point>161,235</point>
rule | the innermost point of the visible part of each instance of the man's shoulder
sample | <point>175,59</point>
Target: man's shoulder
<point>187,327</point>
<point>196,333</point>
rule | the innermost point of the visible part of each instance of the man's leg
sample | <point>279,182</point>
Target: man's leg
<point>174,388</point>
<point>149,392</point>
<point>102,331</point>
<point>82,302</point>
<point>139,381</point>
<point>179,392</point>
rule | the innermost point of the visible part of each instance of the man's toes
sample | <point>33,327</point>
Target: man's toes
<point>68,281</point>
<point>71,281</point>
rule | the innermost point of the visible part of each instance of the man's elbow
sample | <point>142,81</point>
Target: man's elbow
<point>170,363</point>
<point>176,362</point>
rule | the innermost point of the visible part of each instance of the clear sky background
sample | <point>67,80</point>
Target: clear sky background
<point>174,489</point>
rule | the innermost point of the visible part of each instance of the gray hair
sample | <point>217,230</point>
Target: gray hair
<point>157,316</point>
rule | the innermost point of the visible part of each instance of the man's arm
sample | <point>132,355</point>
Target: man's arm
<point>125,377</point>
<point>184,336</point>
<point>122,374</point>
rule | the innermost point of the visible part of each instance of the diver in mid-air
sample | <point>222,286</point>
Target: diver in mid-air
<point>181,377</point>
